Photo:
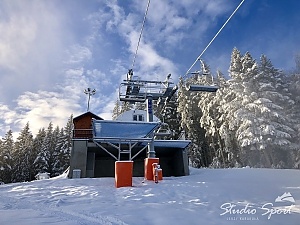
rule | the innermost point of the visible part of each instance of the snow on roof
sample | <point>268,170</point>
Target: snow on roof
<point>85,114</point>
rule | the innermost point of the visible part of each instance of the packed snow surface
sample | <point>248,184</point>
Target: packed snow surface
<point>207,196</point>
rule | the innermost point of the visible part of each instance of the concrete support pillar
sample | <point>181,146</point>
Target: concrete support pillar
<point>90,167</point>
<point>78,157</point>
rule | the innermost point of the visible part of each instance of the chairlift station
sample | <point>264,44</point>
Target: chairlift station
<point>98,144</point>
<point>127,146</point>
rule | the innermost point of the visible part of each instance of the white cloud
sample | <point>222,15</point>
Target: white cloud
<point>51,51</point>
<point>98,78</point>
<point>38,109</point>
<point>153,63</point>
<point>6,115</point>
<point>172,22</point>
<point>32,42</point>
<point>148,58</point>
<point>167,25</point>
<point>42,107</point>
<point>16,41</point>
<point>117,15</point>
<point>78,54</point>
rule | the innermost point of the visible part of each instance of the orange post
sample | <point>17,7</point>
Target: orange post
<point>160,174</point>
<point>149,168</point>
<point>123,173</point>
<point>157,172</point>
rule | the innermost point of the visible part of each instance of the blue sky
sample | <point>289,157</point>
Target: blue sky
<point>50,51</point>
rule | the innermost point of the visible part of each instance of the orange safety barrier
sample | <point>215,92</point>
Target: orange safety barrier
<point>123,173</point>
<point>149,168</point>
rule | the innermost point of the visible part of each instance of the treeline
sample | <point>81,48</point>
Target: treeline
<point>252,120</point>
<point>49,151</point>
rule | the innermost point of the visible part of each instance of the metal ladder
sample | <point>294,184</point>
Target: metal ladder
<point>124,151</point>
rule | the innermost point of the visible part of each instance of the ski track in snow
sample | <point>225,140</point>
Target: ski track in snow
<point>51,208</point>
<point>54,211</point>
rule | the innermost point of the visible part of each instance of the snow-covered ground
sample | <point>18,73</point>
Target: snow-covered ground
<point>207,196</point>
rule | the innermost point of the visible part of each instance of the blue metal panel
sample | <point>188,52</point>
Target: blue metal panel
<point>122,129</point>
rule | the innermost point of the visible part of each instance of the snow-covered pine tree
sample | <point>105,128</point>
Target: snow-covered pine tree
<point>167,112</point>
<point>57,156</point>
<point>54,152</point>
<point>297,63</point>
<point>171,116</point>
<point>205,98</point>
<point>6,149</point>
<point>258,120</point>
<point>245,118</point>
<point>21,155</point>
<point>126,106</point>
<point>37,149</point>
<point>66,148</point>
<point>230,98</point>
<point>276,129</point>
<point>235,68</point>
<point>116,110</point>
<point>209,105</point>
<point>140,105</point>
<point>44,161</point>
<point>294,115</point>
<point>58,166</point>
<point>2,161</point>
<point>190,114</point>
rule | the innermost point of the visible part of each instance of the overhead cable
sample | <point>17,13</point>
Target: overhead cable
<point>198,58</point>
<point>138,44</point>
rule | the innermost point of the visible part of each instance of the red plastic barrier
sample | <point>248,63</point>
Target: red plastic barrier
<point>123,173</point>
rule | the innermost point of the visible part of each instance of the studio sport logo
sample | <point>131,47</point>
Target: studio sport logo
<point>283,206</point>
<point>286,197</point>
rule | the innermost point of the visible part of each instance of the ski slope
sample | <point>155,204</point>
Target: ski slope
<point>207,196</point>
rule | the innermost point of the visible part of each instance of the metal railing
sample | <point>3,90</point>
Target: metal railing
<point>83,133</point>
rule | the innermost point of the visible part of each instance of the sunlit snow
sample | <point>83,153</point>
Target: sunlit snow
<point>207,196</point>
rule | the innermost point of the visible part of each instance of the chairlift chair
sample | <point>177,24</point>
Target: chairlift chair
<point>204,88</point>
<point>136,90</point>
<point>130,92</point>
<point>163,130</point>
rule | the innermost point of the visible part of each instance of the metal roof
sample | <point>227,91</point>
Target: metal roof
<point>122,129</point>
<point>88,113</point>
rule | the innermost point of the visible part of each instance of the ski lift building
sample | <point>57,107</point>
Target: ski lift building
<point>103,142</point>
